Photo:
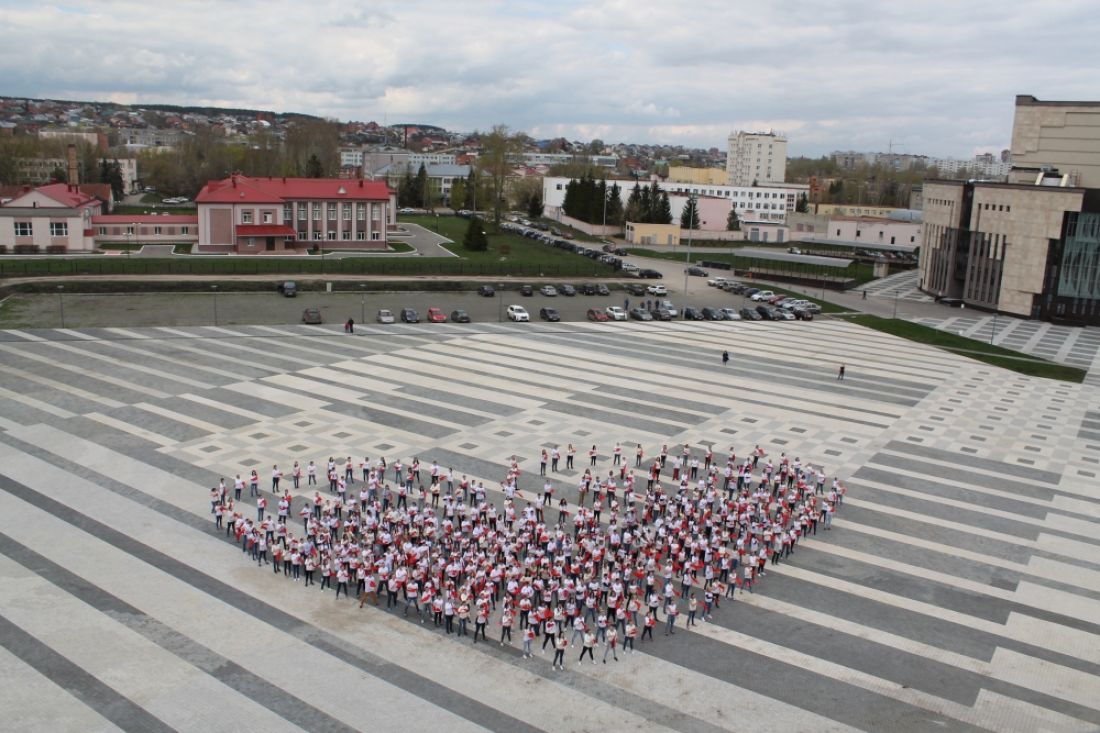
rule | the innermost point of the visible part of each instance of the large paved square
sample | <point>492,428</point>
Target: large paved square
<point>960,589</point>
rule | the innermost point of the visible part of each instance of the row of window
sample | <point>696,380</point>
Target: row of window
<point>994,207</point>
<point>315,211</point>
<point>303,236</point>
<point>26,229</point>
<point>156,231</point>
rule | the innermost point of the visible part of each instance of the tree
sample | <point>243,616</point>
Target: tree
<point>458,194</point>
<point>802,205</point>
<point>497,149</point>
<point>733,223</point>
<point>634,210</point>
<point>420,187</point>
<point>475,239</point>
<point>662,211</point>
<point>112,173</point>
<point>534,206</point>
<point>314,168</point>
<point>59,174</point>
<point>614,206</point>
<point>689,217</point>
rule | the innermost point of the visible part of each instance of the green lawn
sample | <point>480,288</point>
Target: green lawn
<point>988,353</point>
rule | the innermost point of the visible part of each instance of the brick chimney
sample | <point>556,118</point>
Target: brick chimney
<point>74,175</point>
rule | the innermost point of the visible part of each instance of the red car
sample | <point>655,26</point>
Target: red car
<point>435,315</point>
<point>597,314</point>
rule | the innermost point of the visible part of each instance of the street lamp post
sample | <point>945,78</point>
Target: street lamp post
<point>130,231</point>
<point>687,260</point>
<point>61,303</point>
<point>896,304</point>
<point>363,312</point>
<point>215,289</point>
<point>500,303</point>
<point>994,334</point>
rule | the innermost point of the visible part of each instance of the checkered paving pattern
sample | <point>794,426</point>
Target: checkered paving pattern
<point>960,591</point>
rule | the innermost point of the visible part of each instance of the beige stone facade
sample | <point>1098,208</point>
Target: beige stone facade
<point>1062,135</point>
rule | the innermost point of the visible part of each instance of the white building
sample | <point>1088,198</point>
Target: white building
<point>756,157</point>
<point>752,203</point>
<point>980,165</point>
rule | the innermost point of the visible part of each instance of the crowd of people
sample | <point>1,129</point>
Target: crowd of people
<point>621,561</point>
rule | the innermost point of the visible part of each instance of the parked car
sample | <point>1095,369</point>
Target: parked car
<point>615,313</point>
<point>526,291</point>
<point>762,295</point>
<point>602,289</point>
<point>518,313</point>
<point>731,314</point>
<point>750,314</point>
<point>794,250</point>
<point>289,289</point>
<point>657,290</point>
<point>460,316</point>
<point>767,312</point>
<point>549,314</point>
<point>802,314</point>
<point>409,315</point>
<point>640,314</point>
<point>588,289</point>
<point>486,291</point>
<point>628,267</point>
<point>384,316</point>
<point>748,292</point>
<point>311,316</point>
<point>712,314</point>
<point>635,289</point>
<point>595,314</point>
<point>650,274</point>
<point>783,315</point>
<point>693,314</point>
<point>716,282</point>
<point>660,314</point>
<point>777,299</point>
<point>668,306</point>
<point>567,290</point>
<point>436,315</point>
<point>696,271</point>
<point>549,291</point>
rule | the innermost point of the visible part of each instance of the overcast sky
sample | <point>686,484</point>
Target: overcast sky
<point>935,77</point>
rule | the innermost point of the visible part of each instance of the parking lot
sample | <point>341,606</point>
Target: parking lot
<point>86,310</point>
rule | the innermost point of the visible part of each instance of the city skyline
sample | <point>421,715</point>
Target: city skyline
<point>938,79</point>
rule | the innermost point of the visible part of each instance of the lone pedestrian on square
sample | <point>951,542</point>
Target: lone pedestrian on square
<point>725,358</point>
<point>840,373</point>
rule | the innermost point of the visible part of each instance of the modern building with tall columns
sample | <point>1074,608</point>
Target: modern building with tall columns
<point>1030,247</point>
<point>253,215</point>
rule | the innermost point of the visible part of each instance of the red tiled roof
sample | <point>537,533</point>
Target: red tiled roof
<point>264,230</point>
<point>123,219</point>
<point>242,189</point>
<point>62,193</point>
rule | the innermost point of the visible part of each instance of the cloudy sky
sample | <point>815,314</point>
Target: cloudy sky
<point>935,77</point>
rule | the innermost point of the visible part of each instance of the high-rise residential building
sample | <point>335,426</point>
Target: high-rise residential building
<point>1062,135</point>
<point>756,157</point>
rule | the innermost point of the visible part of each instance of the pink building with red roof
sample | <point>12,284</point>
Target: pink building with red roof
<point>146,229</point>
<point>254,215</point>
<point>56,217</point>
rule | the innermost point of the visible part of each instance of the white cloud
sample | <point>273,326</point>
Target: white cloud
<point>937,77</point>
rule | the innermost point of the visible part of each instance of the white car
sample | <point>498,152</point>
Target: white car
<point>716,282</point>
<point>731,314</point>
<point>763,295</point>
<point>518,313</point>
<point>549,291</point>
<point>668,306</point>
<point>615,313</point>
<point>384,316</point>
<point>657,290</point>
<point>627,267</point>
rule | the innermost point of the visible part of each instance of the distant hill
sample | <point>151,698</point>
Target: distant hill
<point>173,108</point>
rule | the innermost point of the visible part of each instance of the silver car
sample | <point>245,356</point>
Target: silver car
<point>384,316</point>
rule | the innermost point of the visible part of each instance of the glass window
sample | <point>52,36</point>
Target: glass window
<point>316,212</point>
<point>332,212</point>
<point>302,211</point>
<point>59,229</point>
<point>268,217</point>
<point>185,230</point>
<point>361,235</point>
<point>246,217</point>
<point>345,235</point>
<point>361,211</point>
<point>288,212</point>
<point>332,236</point>
<point>156,230</point>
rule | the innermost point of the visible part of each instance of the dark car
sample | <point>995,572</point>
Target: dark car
<point>802,314</point>
<point>640,314</point>
<point>650,274</point>
<point>588,289</point>
<point>487,291</point>
<point>767,313</point>
<point>549,314</point>
<point>635,289</point>
<point>602,289</point>
<point>697,271</point>
<point>409,315</point>
<point>750,314</point>
<point>567,290</point>
<point>311,316</point>
<point>749,292</point>
<point>289,288</point>
<point>693,314</point>
<point>713,314</point>
<point>460,316</point>
<point>526,291</point>
<point>661,314</point>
